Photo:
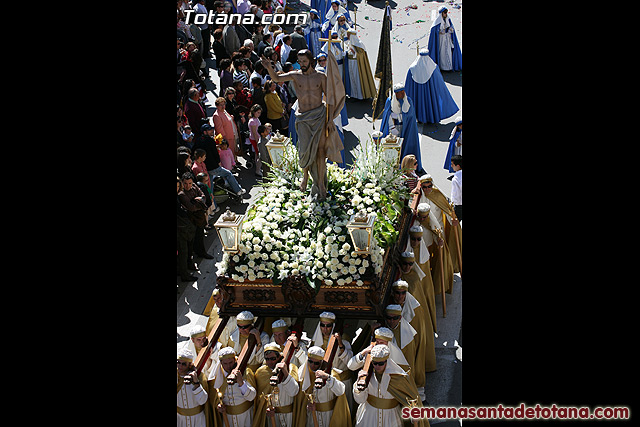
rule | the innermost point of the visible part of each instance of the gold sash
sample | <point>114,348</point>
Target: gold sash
<point>284,409</point>
<point>239,409</point>
<point>189,412</point>
<point>381,403</point>
<point>326,406</point>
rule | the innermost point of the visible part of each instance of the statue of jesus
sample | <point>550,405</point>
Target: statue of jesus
<point>318,138</point>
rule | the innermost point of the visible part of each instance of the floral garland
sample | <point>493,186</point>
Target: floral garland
<point>287,233</point>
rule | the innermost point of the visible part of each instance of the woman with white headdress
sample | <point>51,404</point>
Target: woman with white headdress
<point>399,119</point>
<point>331,17</point>
<point>425,85</point>
<point>312,32</point>
<point>443,44</point>
<point>361,78</point>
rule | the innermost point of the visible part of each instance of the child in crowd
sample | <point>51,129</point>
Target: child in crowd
<point>187,136</point>
<point>254,136</point>
<point>198,166</point>
<point>265,137</point>
<point>226,155</point>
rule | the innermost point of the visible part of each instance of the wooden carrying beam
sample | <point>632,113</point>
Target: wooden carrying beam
<point>287,353</point>
<point>243,358</point>
<point>368,368</point>
<point>212,339</point>
<point>330,353</point>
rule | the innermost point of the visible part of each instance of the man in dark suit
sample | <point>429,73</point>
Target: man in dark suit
<point>298,41</point>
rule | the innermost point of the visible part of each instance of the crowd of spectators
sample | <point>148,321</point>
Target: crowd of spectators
<point>248,109</point>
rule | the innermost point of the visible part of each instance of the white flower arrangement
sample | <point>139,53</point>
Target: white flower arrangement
<point>286,233</point>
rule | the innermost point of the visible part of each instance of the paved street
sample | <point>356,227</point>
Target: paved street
<point>444,387</point>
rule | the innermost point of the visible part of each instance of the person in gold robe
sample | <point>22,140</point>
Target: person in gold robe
<point>276,402</point>
<point>238,337</point>
<point>430,242</point>
<point>193,409</point>
<point>444,213</point>
<point>361,78</point>
<point>390,388</point>
<point>199,341</point>
<point>329,403</point>
<point>321,337</point>
<point>414,313</point>
<point>235,402</point>
<point>382,336</point>
<point>416,244</point>
<point>281,333</point>
<point>405,337</point>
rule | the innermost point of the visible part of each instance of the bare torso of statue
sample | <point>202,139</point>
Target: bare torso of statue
<point>310,86</point>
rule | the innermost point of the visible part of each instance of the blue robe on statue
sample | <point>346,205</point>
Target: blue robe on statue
<point>411,143</point>
<point>434,43</point>
<point>425,85</point>
<point>455,133</point>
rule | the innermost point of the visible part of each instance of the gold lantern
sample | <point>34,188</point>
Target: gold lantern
<point>360,228</point>
<point>276,148</point>
<point>391,149</point>
<point>229,228</point>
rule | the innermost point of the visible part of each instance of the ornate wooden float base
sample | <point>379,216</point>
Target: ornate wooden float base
<point>294,297</point>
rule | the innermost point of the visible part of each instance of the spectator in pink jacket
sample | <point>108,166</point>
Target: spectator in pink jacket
<point>224,124</point>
